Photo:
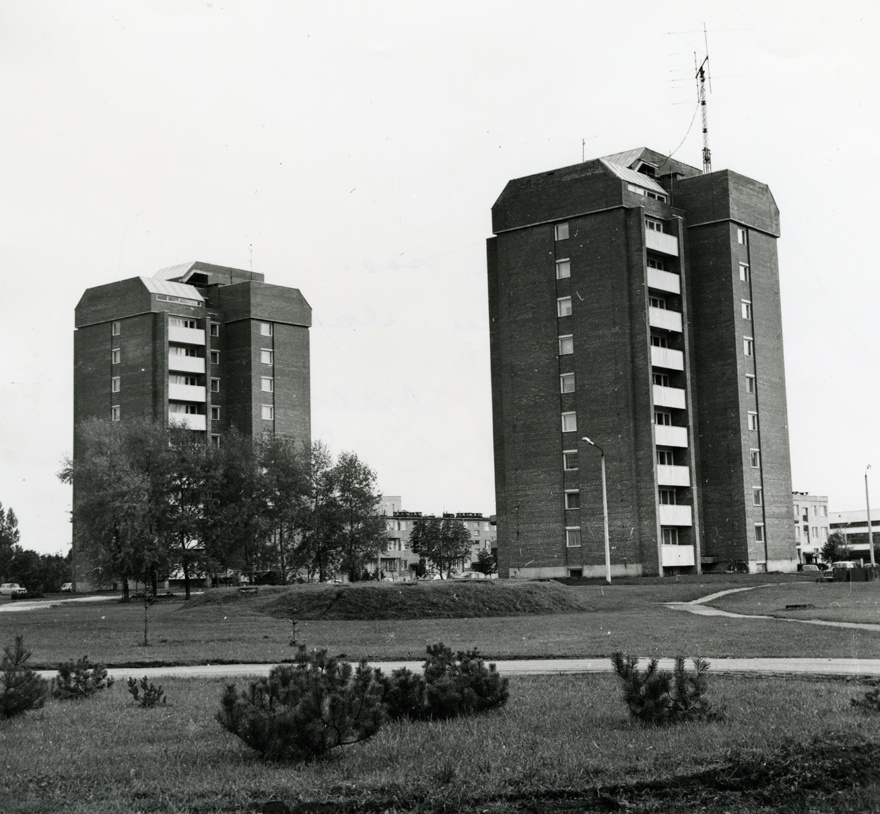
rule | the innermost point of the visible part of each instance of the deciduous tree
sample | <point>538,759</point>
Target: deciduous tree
<point>444,543</point>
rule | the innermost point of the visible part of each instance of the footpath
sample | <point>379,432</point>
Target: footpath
<point>808,666</point>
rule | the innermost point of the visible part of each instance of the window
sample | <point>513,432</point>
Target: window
<point>265,329</point>
<point>741,237</point>
<point>215,330</point>
<point>748,346</point>
<point>657,302</point>
<point>215,413</point>
<point>181,322</point>
<point>114,412</point>
<point>660,379</point>
<point>215,357</point>
<point>660,265</point>
<point>569,422</point>
<point>653,224</point>
<point>560,231</point>
<point>665,457</point>
<point>759,532</point>
<point>566,383</point>
<point>215,440</point>
<point>115,356</point>
<point>115,384</point>
<point>744,272</point>
<point>750,383</point>
<point>570,459</point>
<point>573,537</point>
<point>177,378</point>
<point>663,418</point>
<point>667,497</point>
<point>755,458</point>
<point>753,421</point>
<point>267,384</point>
<point>669,536</point>
<point>563,269</point>
<point>757,496</point>
<point>215,385</point>
<point>659,341</point>
<point>815,532</point>
<point>572,500</point>
<point>266,356</point>
<point>115,328</point>
<point>268,412</point>
<point>746,309</point>
<point>566,345</point>
<point>563,307</point>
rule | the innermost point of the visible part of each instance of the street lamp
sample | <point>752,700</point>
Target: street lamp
<point>604,510</point>
<point>870,532</point>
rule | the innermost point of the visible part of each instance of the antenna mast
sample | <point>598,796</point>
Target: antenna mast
<point>701,75</point>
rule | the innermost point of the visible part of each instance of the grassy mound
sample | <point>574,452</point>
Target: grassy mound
<point>408,600</point>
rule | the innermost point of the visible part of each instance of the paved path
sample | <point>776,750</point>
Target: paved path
<point>539,667</point>
<point>701,608</point>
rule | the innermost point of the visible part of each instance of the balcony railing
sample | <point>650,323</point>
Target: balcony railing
<point>667,357</point>
<point>675,515</point>
<point>664,281</point>
<point>186,336</point>
<point>189,420</point>
<point>669,397</point>
<point>673,475</point>
<point>188,364</point>
<point>661,242</point>
<point>186,392</point>
<point>667,436</point>
<point>664,318</point>
<point>672,555</point>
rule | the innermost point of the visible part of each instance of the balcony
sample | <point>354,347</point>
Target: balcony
<point>664,281</point>
<point>668,358</point>
<point>668,397</point>
<point>673,475</point>
<point>664,318</point>
<point>666,436</point>
<point>189,420</point>
<point>676,555</point>
<point>661,242</point>
<point>187,364</point>
<point>186,392</point>
<point>675,515</point>
<point>186,336</point>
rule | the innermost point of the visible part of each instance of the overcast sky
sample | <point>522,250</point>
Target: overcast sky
<point>353,150</point>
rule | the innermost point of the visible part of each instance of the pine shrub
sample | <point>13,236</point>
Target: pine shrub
<point>145,693</point>
<point>21,689</point>
<point>304,710</point>
<point>656,697</point>
<point>452,685</point>
<point>869,702</point>
<point>80,679</point>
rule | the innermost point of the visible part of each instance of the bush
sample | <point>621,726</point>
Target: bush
<point>21,689</point>
<point>145,694</point>
<point>870,701</point>
<point>452,685</point>
<point>80,680</point>
<point>304,710</point>
<point>657,698</point>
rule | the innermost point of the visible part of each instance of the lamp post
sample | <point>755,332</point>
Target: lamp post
<point>870,532</point>
<point>604,510</point>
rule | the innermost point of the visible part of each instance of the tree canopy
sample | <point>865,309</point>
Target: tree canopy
<point>151,499</point>
<point>445,542</point>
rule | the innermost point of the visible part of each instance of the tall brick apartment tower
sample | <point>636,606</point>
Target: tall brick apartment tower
<point>211,347</point>
<point>635,300</point>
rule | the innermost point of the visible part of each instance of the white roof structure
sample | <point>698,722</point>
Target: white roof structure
<point>171,289</point>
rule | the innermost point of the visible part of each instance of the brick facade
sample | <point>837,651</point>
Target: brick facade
<point>648,308</point>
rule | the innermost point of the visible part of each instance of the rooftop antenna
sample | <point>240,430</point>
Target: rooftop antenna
<point>702,74</point>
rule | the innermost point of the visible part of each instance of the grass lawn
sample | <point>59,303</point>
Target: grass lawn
<point>561,744</point>
<point>831,601</point>
<point>627,617</point>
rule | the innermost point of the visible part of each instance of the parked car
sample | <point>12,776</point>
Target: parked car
<point>844,564</point>
<point>810,567</point>
<point>470,575</point>
<point>67,587</point>
<point>11,589</point>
